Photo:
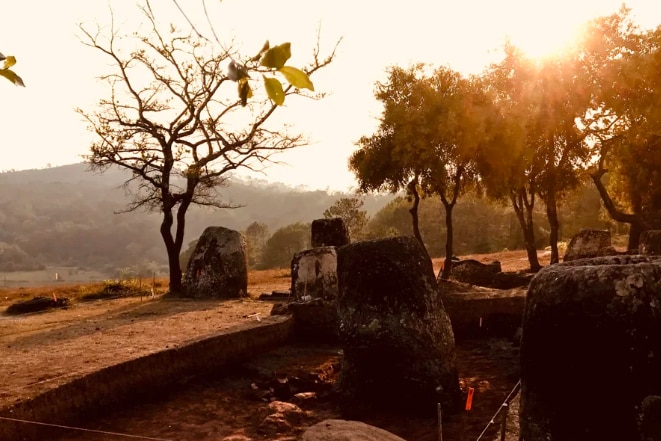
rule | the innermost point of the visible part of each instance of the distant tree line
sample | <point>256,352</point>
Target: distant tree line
<point>65,216</point>
<point>486,226</point>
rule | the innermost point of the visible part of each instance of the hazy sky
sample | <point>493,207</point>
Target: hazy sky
<point>39,126</point>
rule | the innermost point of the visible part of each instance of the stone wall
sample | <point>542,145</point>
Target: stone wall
<point>141,378</point>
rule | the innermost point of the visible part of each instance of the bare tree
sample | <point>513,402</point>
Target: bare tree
<point>174,124</point>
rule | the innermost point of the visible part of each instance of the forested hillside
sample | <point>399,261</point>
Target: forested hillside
<point>65,216</point>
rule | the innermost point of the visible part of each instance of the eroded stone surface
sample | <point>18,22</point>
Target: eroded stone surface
<point>649,421</point>
<point>589,243</point>
<point>314,274</point>
<point>591,348</point>
<point>650,242</point>
<point>218,266</point>
<point>285,416</point>
<point>486,274</point>
<point>343,430</point>
<point>397,338</point>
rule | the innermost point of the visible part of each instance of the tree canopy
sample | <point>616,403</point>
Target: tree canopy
<point>427,139</point>
<point>528,130</point>
<point>630,151</point>
<point>349,209</point>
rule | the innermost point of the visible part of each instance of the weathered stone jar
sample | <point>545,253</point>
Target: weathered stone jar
<point>590,349</point>
<point>218,267</point>
<point>399,348</point>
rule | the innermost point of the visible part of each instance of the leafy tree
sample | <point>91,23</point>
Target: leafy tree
<point>563,95</point>
<point>582,208</point>
<point>378,168</point>
<point>630,152</point>
<point>550,113</point>
<point>257,233</point>
<point>349,209</point>
<point>426,140</point>
<point>283,244</point>
<point>392,220</point>
<point>9,74</point>
<point>505,163</point>
<point>170,121</point>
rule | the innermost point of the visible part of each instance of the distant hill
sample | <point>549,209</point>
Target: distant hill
<point>64,216</point>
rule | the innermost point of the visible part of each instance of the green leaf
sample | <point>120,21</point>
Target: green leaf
<point>9,62</point>
<point>277,56</point>
<point>274,90</point>
<point>12,76</point>
<point>297,77</point>
<point>245,92</point>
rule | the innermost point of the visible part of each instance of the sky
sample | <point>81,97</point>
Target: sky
<point>40,128</point>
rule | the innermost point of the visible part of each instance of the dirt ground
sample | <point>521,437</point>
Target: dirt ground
<point>43,350</point>
<point>228,408</point>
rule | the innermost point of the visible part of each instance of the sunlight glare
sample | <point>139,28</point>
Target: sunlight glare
<point>545,32</point>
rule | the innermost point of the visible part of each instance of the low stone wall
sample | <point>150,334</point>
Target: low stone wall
<point>474,312</point>
<point>485,312</point>
<point>141,378</point>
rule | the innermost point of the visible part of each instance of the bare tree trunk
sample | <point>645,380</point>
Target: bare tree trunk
<point>449,205</point>
<point>449,240</point>
<point>413,190</point>
<point>634,220</point>
<point>524,211</point>
<point>172,250</point>
<point>552,216</point>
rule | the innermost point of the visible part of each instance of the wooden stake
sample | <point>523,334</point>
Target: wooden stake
<point>503,426</point>
<point>440,422</point>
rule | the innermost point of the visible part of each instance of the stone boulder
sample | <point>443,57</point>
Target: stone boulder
<point>329,233</point>
<point>474,272</point>
<point>217,267</point>
<point>283,418</point>
<point>489,275</point>
<point>399,348</point>
<point>590,348</point>
<point>589,243</point>
<point>650,243</point>
<point>314,274</point>
<point>343,430</point>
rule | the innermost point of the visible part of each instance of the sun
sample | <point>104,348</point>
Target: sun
<point>540,45</point>
<point>546,33</point>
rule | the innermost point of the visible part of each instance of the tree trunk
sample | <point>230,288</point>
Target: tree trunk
<point>413,190</point>
<point>449,205</point>
<point>552,216</point>
<point>171,248</point>
<point>524,211</point>
<point>635,221</point>
<point>175,271</point>
<point>449,240</point>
